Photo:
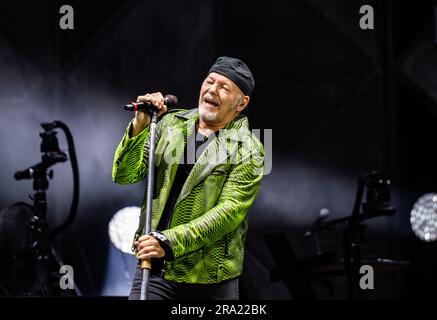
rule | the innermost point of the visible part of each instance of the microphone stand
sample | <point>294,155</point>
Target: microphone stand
<point>146,264</point>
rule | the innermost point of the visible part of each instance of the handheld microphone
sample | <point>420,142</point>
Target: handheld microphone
<point>169,100</point>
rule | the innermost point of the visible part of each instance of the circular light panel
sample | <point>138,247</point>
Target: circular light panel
<point>122,228</point>
<point>423,217</point>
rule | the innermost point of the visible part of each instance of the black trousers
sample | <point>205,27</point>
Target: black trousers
<point>161,289</point>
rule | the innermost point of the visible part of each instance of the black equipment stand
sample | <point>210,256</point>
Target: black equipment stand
<point>42,238</point>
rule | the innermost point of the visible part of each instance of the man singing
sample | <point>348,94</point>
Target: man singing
<point>208,169</point>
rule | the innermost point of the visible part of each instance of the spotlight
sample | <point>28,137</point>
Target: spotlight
<point>122,228</point>
<point>423,217</point>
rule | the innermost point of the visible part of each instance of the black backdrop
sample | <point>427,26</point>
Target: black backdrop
<point>340,101</point>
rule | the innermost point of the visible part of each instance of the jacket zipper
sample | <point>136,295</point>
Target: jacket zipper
<point>163,270</point>
<point>168,226</point>
<point>226,246</point>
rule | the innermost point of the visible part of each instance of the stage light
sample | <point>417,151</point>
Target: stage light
<point>122,228</point>
<point>423,217</point>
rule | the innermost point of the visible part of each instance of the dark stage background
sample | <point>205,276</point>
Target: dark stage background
<point>340,101</point>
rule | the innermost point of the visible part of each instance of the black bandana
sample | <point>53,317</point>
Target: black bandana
<point>237,71</point>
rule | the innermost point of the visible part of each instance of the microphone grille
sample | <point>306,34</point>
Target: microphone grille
<point>171,100</point>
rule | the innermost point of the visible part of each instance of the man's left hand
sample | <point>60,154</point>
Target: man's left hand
<point>148,247</point>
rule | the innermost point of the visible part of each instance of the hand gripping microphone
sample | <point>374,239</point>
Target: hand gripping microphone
<point>169,100</point>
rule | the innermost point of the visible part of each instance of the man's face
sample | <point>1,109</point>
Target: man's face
<point>219,100</point>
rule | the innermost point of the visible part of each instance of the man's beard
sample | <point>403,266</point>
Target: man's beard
<point>209,116</point>
<point>206,115</point>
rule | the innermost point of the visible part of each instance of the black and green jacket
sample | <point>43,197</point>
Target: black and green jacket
<point>207,229</point>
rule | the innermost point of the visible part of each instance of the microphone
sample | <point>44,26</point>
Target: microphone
<point>169,100</point>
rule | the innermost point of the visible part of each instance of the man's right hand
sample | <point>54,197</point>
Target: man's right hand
<point>142,118</point>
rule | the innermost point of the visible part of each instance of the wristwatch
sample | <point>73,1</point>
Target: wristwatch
<point>165,244</point>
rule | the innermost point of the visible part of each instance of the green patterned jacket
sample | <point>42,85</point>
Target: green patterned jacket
<point>207,229</point>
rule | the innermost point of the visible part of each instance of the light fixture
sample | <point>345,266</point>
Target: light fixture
<point>122,228</point>
<point>423,217</point>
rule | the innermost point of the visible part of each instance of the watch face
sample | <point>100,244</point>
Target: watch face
<point>159,236</point>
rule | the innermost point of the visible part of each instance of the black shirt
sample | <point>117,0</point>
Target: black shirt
<point>182,172</point>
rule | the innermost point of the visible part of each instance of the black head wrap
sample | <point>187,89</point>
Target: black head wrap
<point>237,71</point>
